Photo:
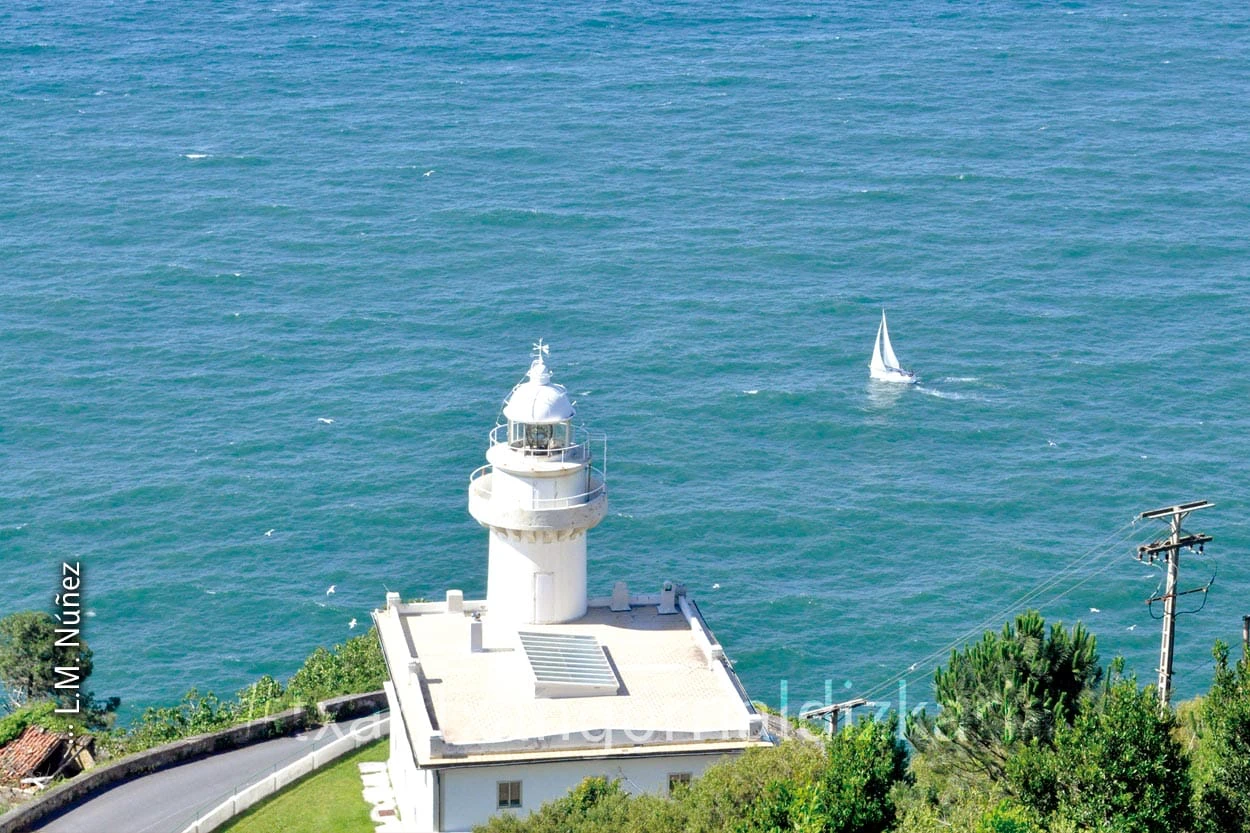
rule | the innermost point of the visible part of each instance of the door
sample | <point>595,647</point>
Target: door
<point>544,597</point>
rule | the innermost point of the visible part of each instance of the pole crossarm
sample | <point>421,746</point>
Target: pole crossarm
<point>834,709</point>
<point>1179,509</point>
<point>1163,598</point>
<point>1162,546</point>
<point>831,713</point>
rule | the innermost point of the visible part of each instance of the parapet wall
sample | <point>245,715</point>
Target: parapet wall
<point>352,705</point>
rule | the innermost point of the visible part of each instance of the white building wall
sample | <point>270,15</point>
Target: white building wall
<point>414,788</point>
<point>470,795</point>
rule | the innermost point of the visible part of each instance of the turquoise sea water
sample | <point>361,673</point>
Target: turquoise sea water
<point>221,224</point>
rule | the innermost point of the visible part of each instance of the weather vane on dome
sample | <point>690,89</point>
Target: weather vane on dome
<point>541,349</point>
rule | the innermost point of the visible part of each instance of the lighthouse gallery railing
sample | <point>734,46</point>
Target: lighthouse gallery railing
<point>597,485</point>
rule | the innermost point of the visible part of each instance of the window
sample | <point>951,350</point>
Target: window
<point>538,436</point>
<point>676,780</point>
<point>509,794</point>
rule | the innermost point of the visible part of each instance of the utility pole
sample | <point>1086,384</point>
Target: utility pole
<point>1171,550</point>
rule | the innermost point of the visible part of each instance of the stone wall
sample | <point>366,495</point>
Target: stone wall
<point>353,705</point>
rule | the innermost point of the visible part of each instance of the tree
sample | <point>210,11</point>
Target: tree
<point>847,789</point>
<point>865,762</point>
<point>1005,691</point>
<point>843,787</point>
<point>1222,759</point>
<point>747,792</point>
<point>1117,769</point>
<point>979,810</point>
<point>29,657</point>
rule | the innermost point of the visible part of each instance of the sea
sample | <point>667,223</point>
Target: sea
<point>269,269</point>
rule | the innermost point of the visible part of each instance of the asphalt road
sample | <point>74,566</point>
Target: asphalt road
<point>169,800</point>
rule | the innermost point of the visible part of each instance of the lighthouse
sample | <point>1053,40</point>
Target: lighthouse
<point>538,495</point>
<point>498,705</point>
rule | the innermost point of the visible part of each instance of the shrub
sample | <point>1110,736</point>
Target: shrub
<point>354,667</point>
<point>1117,767</point>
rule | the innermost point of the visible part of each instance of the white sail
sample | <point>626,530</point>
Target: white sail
<point>887,351</point>
<point>877,366</point>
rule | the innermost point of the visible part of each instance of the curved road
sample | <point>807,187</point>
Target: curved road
<point>169,800</point>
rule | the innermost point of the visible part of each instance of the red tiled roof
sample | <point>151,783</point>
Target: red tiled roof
<point>23,756</point>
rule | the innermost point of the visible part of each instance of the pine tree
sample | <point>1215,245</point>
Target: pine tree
<point>1006,691</point>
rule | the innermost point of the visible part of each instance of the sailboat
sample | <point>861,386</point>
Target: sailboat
<point>884,366</point>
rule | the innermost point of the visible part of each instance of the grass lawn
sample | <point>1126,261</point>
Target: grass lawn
<point>326,801</point>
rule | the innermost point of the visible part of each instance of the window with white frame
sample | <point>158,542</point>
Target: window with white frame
<point>509,794</point>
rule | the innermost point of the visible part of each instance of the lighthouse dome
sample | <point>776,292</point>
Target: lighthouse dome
<point>538,400</point>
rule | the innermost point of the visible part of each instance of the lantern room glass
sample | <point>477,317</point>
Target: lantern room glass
<point>537,438</point>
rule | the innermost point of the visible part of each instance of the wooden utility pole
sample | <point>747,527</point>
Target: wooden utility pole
<point>1171,550</point>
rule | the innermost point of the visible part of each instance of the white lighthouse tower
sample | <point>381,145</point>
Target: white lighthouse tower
<point>538,496</point>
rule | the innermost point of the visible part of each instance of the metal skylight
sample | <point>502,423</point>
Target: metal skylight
<point>568,665</point>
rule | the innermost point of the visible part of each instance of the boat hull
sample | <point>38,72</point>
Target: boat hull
<point>895,375</point>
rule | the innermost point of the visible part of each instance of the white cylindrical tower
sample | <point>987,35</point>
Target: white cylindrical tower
<point>538,495</point>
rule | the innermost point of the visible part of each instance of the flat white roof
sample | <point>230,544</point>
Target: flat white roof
<point>677,692</point>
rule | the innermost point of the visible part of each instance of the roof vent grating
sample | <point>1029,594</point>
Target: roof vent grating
<point>568,665</point>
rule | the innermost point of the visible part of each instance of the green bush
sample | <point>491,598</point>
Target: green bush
<point>749,787</point>
<point>1117,768</point>
<point>194,715</point>
<point>355,667</point>
<point>1008,817</point>
<point>1222,757</point>
<point>842,787</point>
<point>43,713</point>
<point>262,698</point>
<point>38,714</point>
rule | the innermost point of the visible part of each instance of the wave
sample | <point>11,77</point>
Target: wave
<point>940,394</point>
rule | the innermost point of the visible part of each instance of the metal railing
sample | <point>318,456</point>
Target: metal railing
<point>576,452</point>
<point>596,485</point>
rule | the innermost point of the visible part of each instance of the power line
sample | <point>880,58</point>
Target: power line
<point>1109,546</point>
